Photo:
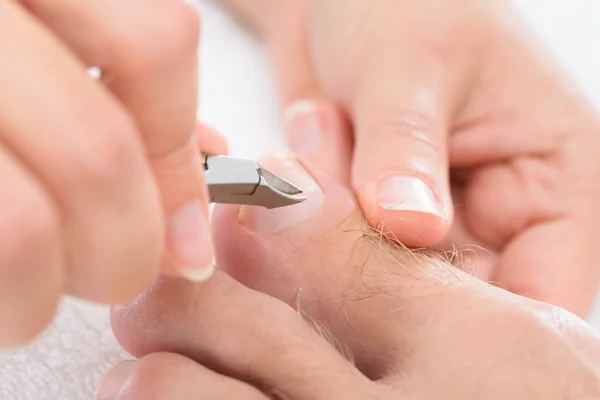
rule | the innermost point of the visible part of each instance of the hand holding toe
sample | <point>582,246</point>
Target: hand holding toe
<point>464,134</point>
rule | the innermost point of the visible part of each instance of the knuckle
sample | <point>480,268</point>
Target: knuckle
<point>556,328</point>
<point>410,126</point>
<point>169,34</point>
<point>108,154</point>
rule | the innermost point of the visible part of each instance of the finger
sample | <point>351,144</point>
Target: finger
<point>401,96</point>
<point>151,66</point>
<point>242,333</point>
<point>86,150</point>
<point>31,259</point>
<point>316,128</point>
<point>400,169</point>
<point>211,141</point>
<point>544,263</point>
<point>548,232</point>
<point>319,132</point>
<point>168,376</point>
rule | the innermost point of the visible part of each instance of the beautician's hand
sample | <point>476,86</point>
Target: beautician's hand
<point>97,175</point>
<point>434,87</point>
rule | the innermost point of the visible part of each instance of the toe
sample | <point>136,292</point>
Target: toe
<point>245,237</point>
<point>240,333</point>
<point>336,269</point>
<point>170,376</point>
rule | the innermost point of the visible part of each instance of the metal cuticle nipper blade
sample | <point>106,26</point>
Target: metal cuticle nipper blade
<point>240,181</point>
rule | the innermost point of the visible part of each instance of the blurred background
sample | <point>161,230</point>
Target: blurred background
<point>238,97</point>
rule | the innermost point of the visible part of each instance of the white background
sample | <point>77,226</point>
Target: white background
<point>238,98</point>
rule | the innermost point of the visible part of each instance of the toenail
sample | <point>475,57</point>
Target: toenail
<point>113,381</point>
<point>407,193</point>
<point>266,221</point>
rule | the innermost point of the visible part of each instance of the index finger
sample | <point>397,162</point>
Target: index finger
<point>147,52</point>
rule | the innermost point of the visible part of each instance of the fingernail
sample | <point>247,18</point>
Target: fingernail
<point>113,381</point>
<point>407,193</point>
<point>190,241</point>
<point>266,221</point>
<point>304,127</point>
<point>198,275</point>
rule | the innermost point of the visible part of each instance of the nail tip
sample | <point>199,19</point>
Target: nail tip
<point>198,275</point>
<point>412,207</point>
<point>408,193</point>
<point>300,107</point>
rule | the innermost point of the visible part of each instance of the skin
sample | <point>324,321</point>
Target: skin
<point>415,326</point>
<point>94,172</point>
<point>460,95</point>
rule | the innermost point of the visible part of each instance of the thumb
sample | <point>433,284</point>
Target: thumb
<point>400,171</point>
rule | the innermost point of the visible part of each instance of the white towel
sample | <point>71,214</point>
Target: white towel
<point>68,359</point>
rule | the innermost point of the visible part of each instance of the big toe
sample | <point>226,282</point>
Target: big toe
<point>322,258</point>
<point>302,248</point>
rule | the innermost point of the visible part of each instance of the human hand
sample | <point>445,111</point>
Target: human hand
<point>97,175</point>
<point>364,319</point>
<point>487,143</point>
